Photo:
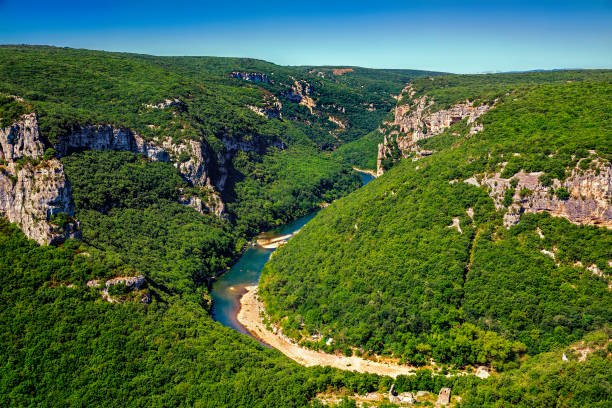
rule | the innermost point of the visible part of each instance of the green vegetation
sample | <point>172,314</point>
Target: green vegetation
<point>66,87</point>
<point>381,270</point>
<point>10,110</point>
<point>361,153</point>
<point>286,184</point>
<point>64,346</point>
<point>450,89</point>
<point>548,381</point>
<point>361,98</point>
<point>128,205</point>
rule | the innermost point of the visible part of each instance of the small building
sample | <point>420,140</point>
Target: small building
<point>444,396</point>
<point>403,398</point>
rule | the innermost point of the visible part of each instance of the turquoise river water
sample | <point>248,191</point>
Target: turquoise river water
<point>229,287</point>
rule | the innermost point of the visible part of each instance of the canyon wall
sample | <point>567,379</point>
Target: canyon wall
<point>417,120</point>
<point>589,201</point>
<point>35,193</point>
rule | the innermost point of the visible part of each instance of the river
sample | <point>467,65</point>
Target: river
<point>229,287</point>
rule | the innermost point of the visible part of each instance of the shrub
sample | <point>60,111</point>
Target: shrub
<point>508,197</point>
<point>49,154</point>
<point>562,193</point>
<point>525,192</point>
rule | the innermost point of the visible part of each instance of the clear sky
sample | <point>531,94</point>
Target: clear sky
<point>453,36</point>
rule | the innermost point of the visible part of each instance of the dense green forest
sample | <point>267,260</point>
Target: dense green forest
<point>63,345</point>
<point>360,97</point>
<point>548,381</point>
<point>382,271</point>
<point>362,152</point>
<point>379,270</point>
<point>68,87</point>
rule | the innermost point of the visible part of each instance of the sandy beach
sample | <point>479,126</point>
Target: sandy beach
<point>370,172</point>
<point>250,316</point>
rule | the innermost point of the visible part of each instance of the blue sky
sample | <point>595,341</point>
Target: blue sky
<point>453,36</point>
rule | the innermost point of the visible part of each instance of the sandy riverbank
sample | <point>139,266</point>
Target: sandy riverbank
<point>271,243</point>
<point>250,316</point>
<point>370,172</point>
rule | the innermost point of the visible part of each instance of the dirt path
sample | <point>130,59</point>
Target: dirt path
<point>250,316</point>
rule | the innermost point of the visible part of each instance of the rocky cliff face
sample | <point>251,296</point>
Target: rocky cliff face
<point>416,121</point>
<point>300,93</point>
<point>251,76</point>
<point>21,139</point>
<point>590,200</point>
<point>108,137</point>
<point>34,192</point>
<point>272,110</point>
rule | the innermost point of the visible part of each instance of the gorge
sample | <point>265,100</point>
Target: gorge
<point>134,190</point>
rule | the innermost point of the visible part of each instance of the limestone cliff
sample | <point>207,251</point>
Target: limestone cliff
<point>251,76</point>
<point>273,108</point>
<point>417,120</point>
<point>300,93</point>
<point>589,201</point>
<point>34,192</point>
<point>21,139</point>
<point>167,103</point>
<point>107,137</point>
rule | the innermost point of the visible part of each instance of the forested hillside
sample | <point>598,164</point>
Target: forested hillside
<point>181,99</point>
<point>62,345</point>
<point>422,265</point>
<point>72,337</point>
<point>155,172</point>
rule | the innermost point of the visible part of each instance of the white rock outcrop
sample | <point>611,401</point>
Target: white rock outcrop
<point>589,203</point>
<point>33,193</point>
<point>416,121</point>
<point>251,76</point>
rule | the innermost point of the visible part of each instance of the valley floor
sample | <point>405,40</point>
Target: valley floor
<point>251,316</point>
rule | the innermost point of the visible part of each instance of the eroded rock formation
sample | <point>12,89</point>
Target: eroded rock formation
<point>251,76</point>
<point>589,202</point>
<point>34,192</point>
<point>416,121</point>
<point>273,108</point>
<point>300,93</point>
<point>167,103</point>
<point>337,121</point>
<point>134,284</point>
<point>108,137</point>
